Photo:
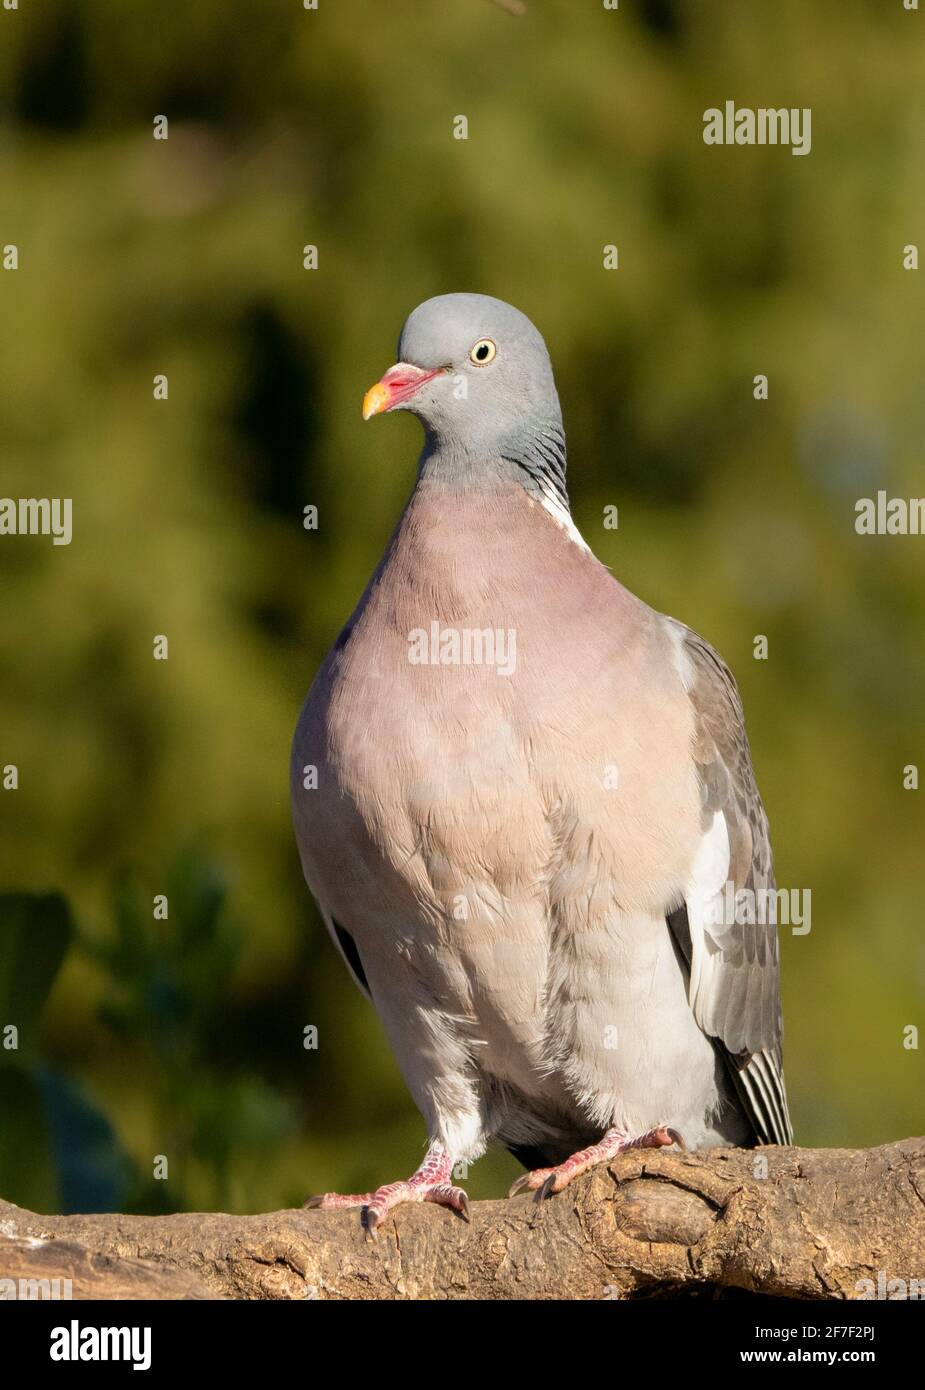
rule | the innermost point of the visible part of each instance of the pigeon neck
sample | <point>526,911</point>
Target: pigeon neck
<point>534,458</point>
<point>538,455</point>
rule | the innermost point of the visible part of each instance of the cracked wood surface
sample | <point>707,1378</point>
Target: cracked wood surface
<point>648,1224</point>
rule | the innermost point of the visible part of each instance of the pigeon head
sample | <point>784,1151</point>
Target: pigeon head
<point>477,374</point>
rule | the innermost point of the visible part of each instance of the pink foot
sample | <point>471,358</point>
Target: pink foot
<point>429,1184</point>
<point>545,1181</point>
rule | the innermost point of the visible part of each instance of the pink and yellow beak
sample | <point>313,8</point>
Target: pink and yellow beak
<point>399,384</point>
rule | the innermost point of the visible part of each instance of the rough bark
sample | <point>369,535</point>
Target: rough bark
<point>647,1225</point>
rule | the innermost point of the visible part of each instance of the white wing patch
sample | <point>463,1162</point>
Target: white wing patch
<point>705,892</point>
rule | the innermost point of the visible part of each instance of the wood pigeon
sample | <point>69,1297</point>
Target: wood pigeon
<point>534,805</point>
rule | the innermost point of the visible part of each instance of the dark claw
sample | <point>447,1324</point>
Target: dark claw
<point>372,1219</point>
<point>313,1202</point>
<point>519,1185</point>
<point>676,1138</point>
<point>547,1189</point>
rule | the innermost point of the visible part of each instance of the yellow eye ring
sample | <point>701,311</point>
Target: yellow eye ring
<point>482,352</point>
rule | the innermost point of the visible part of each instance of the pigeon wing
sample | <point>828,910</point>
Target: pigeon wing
<point>734,967</point>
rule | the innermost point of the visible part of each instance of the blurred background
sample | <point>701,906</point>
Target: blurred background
<point>138,257</point>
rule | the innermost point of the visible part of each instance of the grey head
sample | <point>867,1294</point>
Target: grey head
<point>477,374</point>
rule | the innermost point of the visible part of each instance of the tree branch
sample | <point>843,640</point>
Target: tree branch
<point>649,1224</point>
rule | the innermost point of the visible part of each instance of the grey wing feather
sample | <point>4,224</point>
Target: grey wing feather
<point>734,968</point>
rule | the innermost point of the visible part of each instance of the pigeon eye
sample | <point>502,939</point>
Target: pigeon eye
<point>482,352</point>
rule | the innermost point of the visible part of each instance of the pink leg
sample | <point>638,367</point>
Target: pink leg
<point>431,1183</point>
<point>545,1181</point>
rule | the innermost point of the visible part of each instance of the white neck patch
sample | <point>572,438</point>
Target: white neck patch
<point>562,517</point>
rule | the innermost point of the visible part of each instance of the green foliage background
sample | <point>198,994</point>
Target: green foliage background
<point>334,127</point>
